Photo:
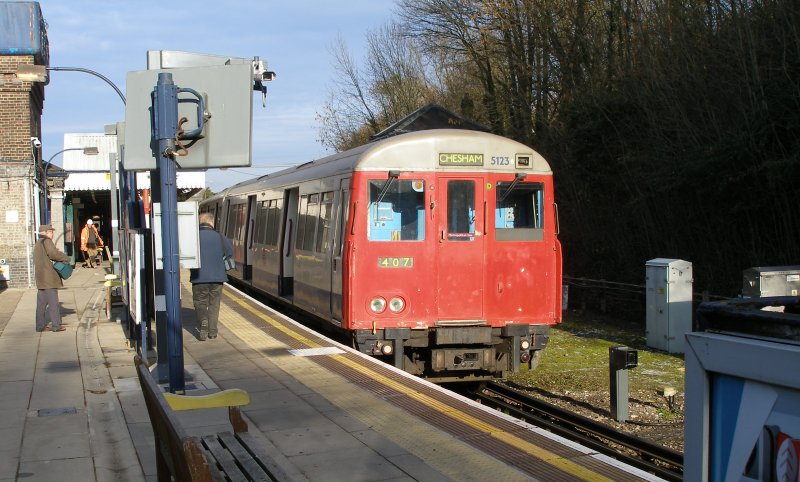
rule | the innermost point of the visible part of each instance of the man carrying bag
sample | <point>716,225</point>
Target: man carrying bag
<point>48,280</point>
<point>207,280</point>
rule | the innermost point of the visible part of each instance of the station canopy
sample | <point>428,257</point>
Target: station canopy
<point>91,172</point>
<point>101,181</point>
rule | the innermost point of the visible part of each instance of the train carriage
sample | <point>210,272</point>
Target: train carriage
<point>436,250</point>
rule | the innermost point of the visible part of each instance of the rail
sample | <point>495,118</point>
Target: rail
<point>645,455</point>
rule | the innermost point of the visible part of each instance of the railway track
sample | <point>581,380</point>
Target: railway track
<point>661,461</point>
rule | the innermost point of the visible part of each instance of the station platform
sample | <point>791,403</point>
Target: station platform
<point>73,410</point>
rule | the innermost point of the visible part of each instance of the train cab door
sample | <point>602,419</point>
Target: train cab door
<point>291,202</point>
<point>461,243</point>
<point>249,236</point>
<point>342,211</point>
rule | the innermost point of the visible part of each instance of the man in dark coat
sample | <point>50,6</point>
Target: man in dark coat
<point>47,279</point>
<point>208,279</point>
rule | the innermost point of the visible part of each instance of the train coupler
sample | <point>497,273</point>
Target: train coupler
<point>463,359</point>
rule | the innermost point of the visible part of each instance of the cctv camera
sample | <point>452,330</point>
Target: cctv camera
<point>36,142</point>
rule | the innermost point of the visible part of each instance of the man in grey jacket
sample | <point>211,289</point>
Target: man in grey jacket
<point>207,280</point>
<point>47,279</point>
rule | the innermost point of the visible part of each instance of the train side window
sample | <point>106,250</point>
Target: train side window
<point>231,222</point>
<point>519,212</point>
<point>301,222</point>
<point>235,222</point>
<point>306,227</point>
<point>324,224</point>
<point>400,214</point>
<point>461,210</point>
<point>343,221</point>
<point>274,207</point>
<point>260,234</point>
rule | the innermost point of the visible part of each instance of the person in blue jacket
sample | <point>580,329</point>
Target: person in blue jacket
<point>207,280</point>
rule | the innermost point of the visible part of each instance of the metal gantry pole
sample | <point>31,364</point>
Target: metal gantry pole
<point>165,109</point>
<point>113,162</point>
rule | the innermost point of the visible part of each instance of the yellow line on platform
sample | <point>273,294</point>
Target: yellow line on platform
<point>527,447</point>
<point>545,455</point>
<point>275,324</point>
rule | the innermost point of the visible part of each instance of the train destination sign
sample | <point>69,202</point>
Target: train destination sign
<point>460,159</point>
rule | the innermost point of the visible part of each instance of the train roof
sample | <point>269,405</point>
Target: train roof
<point>415,151</point>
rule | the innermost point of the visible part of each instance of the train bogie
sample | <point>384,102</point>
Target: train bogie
<point>436,250</point>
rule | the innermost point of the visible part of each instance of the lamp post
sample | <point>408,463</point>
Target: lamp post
<point>38,73</point>
<point>89,151</point>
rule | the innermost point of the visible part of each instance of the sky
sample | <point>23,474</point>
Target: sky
<point>294,38</point>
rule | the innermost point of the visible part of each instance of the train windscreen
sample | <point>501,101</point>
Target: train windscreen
<point>397,211</point>
<point>519,211</point>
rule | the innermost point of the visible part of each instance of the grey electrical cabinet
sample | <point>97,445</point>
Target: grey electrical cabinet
<point>669,303</point>
<point>771,281</point>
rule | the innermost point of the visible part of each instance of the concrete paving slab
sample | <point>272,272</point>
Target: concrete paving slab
<point>70,469</point>
<point>123,371</point>
<point>43,447</point>
<point>290,416</point>
<point>13,372</point>
<point>251,385</point>
<point>352,465</point>
<point>232,372</point>
<point>12,436</point>
<point>14,394</point>
<point>128,384</point>
<point>144,444</point>
<point>323,437</point>
<point>13,417</point>
<point>346,421</point>
<point>379,443</point>
<point>9,461</point>
<point>133,407</point>
<point>274,399</point>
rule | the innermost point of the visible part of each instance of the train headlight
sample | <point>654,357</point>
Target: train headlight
<point>397,304</point>
<point>387,349</point>
<point>377,305</point>
<point>524,344</point>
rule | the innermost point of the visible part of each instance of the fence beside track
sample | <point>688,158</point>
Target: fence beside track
<point>625,300</point>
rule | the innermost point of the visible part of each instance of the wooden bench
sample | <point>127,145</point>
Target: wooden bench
<point>222,456</point>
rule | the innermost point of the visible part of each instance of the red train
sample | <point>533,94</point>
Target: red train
<point>435,250</point>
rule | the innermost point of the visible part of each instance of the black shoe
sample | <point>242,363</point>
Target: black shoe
<point>211,337</point>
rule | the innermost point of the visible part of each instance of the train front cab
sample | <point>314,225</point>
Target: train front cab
<point>454,275</point>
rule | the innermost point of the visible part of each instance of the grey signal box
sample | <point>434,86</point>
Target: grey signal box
<point>228,93</point>
<point>771,281</point>
<point>669,303</point>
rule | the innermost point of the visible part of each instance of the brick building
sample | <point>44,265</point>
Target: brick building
<point>23,41</point>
